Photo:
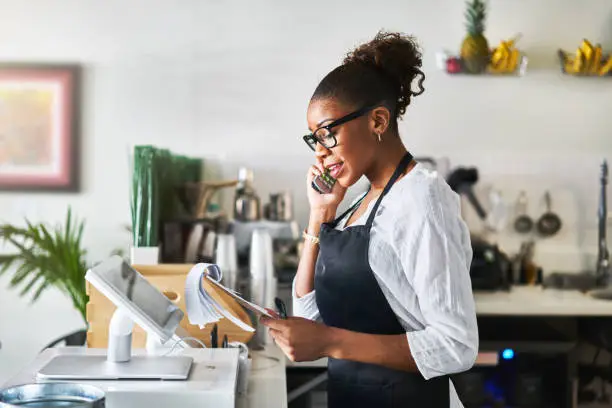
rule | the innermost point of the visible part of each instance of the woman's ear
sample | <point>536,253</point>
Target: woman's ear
<point>381,117</point>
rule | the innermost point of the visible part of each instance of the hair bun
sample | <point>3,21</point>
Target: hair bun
<point>398,58</point>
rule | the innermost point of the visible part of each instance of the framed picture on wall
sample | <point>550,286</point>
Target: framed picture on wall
<point>39,127</point>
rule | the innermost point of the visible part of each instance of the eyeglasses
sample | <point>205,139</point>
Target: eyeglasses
<point>324,135</point>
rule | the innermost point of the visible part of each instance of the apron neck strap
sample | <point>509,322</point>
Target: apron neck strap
<point>348,211</point>
<point>401,167</point>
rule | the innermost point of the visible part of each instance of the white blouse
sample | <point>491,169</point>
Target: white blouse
<point>420,253</point>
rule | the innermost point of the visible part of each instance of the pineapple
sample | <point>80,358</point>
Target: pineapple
<point>475,47</point>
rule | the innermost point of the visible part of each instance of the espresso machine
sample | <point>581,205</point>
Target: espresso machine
<point>249,215</point>
<point>284,237</point>
<point>267,238</point>
<point>266,241</point>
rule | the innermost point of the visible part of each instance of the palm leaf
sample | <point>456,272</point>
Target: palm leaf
<point>22,272</point>
<point>44,285</point>
<point>46,257</point>
<point>6,261</point>
<point>34,278</point>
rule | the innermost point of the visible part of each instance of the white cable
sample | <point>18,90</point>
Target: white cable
<point>176,343</point>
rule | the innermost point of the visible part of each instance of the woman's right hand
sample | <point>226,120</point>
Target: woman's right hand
<point>323,205</point>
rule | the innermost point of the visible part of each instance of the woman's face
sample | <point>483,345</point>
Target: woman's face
<point>356,143</point>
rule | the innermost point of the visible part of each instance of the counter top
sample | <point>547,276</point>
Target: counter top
<point>520,301</point>
<point>537,301</point>
<point>484,358</point>
<point>266,382</point>
<point>267,379</point>
<point>534,301</point>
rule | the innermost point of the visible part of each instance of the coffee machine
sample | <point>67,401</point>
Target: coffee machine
<point>267,257</point>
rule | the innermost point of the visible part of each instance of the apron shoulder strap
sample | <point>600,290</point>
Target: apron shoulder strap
<point>349,210</point>
<point>401,167</point>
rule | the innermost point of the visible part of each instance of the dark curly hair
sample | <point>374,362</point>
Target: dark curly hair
<point>380,71</point>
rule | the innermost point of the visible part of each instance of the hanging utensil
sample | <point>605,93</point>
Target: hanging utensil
<point>523,222</point>
<point>497,217</point>
<point>461,181</point>
<point>549,223</point>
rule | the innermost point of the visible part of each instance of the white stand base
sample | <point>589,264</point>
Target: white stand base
<point>119,362</point>
<point>86,368</point>
<point>120,337</point>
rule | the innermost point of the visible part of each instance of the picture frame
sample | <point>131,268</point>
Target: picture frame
<point>40,127</point>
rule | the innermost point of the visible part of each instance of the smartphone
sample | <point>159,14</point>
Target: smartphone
<point>324,183</point>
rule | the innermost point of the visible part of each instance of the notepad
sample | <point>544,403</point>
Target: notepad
<point>202,309</point>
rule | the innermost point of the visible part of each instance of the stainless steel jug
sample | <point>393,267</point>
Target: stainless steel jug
<point>247,206</point>
<point>50,395</point>
<point>280,207</point>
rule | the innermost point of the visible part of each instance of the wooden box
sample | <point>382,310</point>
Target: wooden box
<point>170,280</point>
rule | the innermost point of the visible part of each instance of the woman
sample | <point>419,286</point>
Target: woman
<point>383,290</point>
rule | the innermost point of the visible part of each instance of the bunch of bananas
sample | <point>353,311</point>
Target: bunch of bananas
<point>505,58</point>
<point>588,60</point>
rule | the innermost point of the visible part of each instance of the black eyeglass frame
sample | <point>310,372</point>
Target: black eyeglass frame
<point>311,140</point>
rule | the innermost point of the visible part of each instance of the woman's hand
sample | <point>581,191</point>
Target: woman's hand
<point>321,204</point>
<point>300,339</point>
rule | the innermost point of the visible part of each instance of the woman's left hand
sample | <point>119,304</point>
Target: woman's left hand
<point>300,339</point>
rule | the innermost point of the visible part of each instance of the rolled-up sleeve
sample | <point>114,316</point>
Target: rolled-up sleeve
<point>305,306</point>
<point>438,259</point>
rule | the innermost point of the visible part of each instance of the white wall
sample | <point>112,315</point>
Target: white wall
<point>231,80</point>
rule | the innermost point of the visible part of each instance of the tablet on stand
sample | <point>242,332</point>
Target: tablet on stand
<point>137,302</point>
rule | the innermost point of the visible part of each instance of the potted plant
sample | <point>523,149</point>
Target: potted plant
<point>48,256</point>
<point>145,206</point>
<point>160,183</point>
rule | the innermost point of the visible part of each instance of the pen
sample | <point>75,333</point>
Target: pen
<point>214,337</point>
<point>280,307</point>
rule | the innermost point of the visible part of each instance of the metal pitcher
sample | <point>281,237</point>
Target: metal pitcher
<point>51,395</point>
<point>246,204</point>
<point>280,207</point>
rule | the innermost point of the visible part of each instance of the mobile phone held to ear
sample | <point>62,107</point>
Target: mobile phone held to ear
<point>324,183</point>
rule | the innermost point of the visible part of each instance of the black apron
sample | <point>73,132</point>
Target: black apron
<point>348,296</point>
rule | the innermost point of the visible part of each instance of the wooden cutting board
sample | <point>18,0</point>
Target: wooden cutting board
<point>170,280</point>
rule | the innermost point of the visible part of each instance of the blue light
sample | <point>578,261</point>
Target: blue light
<point>508,354</point>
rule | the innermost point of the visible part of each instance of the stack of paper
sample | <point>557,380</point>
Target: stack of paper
<point>202,308</point>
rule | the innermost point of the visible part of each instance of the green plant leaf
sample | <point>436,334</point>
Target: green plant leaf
<point>21,274</point>
<point>7,261</point>
<point>41,288</point>
<point>34,278</point>
<point>46,257</point>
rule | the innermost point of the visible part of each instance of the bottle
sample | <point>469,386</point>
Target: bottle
<point>247,204</point>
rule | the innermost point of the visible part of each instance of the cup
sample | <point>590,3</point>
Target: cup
<point>262,280</point>
<point>261,265</point>
<point>226,258</point>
